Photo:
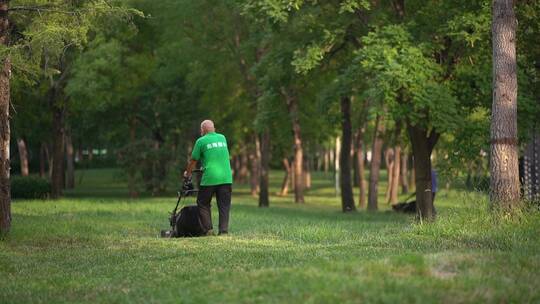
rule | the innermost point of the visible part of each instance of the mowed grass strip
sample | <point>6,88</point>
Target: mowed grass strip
<point>106,249</point>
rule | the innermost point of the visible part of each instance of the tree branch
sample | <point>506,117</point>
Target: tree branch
<point>40,9</point>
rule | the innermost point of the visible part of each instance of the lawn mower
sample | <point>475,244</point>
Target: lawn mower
<point>185,223</point>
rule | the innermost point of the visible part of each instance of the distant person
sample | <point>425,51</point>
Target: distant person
<point>433,184</point>
<point>211,149</point>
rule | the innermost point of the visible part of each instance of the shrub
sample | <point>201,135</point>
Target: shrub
<point>30,187</point>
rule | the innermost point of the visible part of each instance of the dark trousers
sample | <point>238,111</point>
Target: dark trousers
<point>223,196</point>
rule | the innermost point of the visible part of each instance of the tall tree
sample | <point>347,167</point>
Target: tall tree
<point>5,74</point>
<point>347,198</point>
<point>504,169</point>
<point>375,166</point>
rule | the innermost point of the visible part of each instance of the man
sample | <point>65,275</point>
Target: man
<point>211,149</point>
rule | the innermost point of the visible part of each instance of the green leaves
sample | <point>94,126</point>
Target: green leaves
<point>405,78</point>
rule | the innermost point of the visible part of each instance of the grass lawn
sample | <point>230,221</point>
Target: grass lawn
<point>97,246</point>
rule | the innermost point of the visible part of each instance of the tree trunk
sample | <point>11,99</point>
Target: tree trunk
<point>244,167</point>
<point>531,169</point>
<point>360,160</point>
<point>264,172</point>
<point>504,167</point>
<point>5,73</point>
<point>326,160</point>
<point>254,167</point>
<point>347,197</point>
<point>389,162</point>
<point>395,175</point>
<point>58,167</point>
<point>292,104</point>
<point>90,154</point>
<point>375,165</point>
<point>336,165</point>
<point>422,146</point>
<point>70,155</point>
<point>131,171</point>
<point>23,156</point>
<point>307,173</point>
<point>43,159</point>
<point>404,173</point>
<point>285,185</point>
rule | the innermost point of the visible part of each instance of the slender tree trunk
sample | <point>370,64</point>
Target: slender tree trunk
<point>131,171</point>
<point>292,104</point>
<point>395,175</point>
<point>347,197</point>
<point>389,162</point>
<point>5,73</point>
<point>58,167</point>
<point>291,176</point>
<point>254,167</point>
<point>404,173</point>
<point>90,153</point>
<point>307,173</point>
<point>326,160</point>
<point>23,156</point>
<point>394,189</point>
<point>264,172</point>
<point>336,165</point>
<point>422,146</point>
<point>244,167</point>
<point>43,159</point>
<point>504,167</point>
<point>360,160</point>
<point>412,179</point>
<point>375,165</point>
<point>531,168</point>
<point>285,185</point>
<point>70,155</point>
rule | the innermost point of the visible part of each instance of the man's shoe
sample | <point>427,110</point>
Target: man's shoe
<point>223,233</point>
<point>209,233</point>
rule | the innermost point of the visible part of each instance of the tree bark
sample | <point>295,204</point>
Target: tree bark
<point>244,167</point>
<point>292,105</point>
<point>43,159</point>
<point>70,155</point>
<point>326,160</point>
<point>254,167</point>
<point>389,162</point>
<point>264,200</point>
<point>23,156</point>
<point>404,172</point>
<point>394,189</point>
<point>307,173</point>
<point>375,165</point>
<point>285,185</point>
<point>504,166</point>
<point>361,167</point>
<point>412,177</point>
<point>5,73</point>
<point>531,168</point>
<point>336,166</point>
<point>131,171</point>
<point>58,168</point>
<point>395,175</point>
<point>347,197</point>
<point>422,145</point>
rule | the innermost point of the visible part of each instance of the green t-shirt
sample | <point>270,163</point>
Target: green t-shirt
<point>211,150</point>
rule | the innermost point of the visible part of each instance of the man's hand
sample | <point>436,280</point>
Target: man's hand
<point>191,164</point>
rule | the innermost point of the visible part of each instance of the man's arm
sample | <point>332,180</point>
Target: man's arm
<point>191,164</point>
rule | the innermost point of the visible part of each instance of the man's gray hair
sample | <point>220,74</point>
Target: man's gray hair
<point>207,125</point>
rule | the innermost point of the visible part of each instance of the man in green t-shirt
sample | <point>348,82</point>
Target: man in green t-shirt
<point>211,149</point>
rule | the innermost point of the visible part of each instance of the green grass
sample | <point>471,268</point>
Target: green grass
<point>96,246</point>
